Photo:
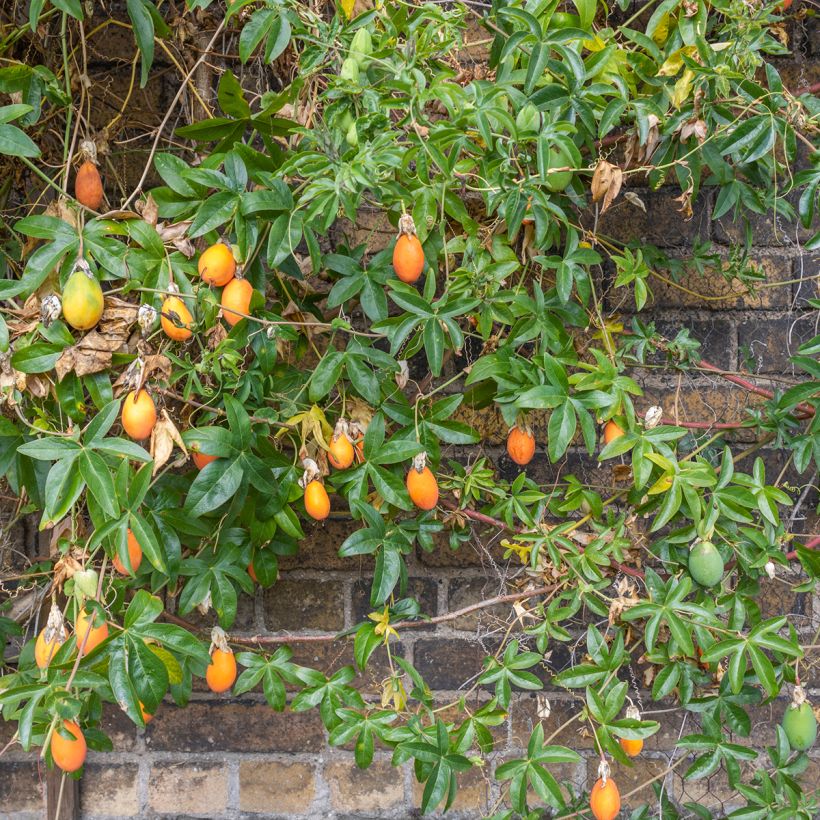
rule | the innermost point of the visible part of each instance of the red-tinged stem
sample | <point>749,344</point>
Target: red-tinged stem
<point>806,409</point>
<point>704,425</point>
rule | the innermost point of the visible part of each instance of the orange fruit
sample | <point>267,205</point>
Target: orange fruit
<point>83,626</point>
<point>317,503</point>
<point>146,717</point>
<point>88,189</point>
<point>520,445</point>
<point>408,258</point>
<point>44,650</point>
<point>176,319</point>
<point>221,672</point>
<point>68,754</point>
<point>611,432</point>
<point>134,556</point>
<point>423,488</point>
<point>605,800</point>
<point>217,265</point>
<point>139,415</point>
<point>201,459</point>
<point>236,296</point>
<point>631,747</point>
<point>341,452</point>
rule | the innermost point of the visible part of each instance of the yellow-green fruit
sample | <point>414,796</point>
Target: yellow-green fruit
<point>800,726</point>
<point>705,564</point>
<point>558,157</point>
<point>82,301</point>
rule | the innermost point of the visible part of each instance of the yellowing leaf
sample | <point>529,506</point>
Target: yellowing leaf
<point>662,485</point>
<point>661,31</point>
<point>683,88</point>
<point>674,62</point>
<point>347,7</point>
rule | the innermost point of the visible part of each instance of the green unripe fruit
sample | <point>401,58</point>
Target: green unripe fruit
<point>346,120</point>
<point>350,70</point>
<point>559,157</point>
<point>85,582</point>
<point>528,119</point>
<point>562,19</point>
<point>800,726</point>
<point>361,47</point>
<point>352,136</point>
<point>705,564</point>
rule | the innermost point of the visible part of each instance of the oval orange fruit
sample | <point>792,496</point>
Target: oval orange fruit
<point>611,432</point>
<point>605,800</point>
<point>83,626</point>
<point>139,415</point>
<point>236,300</point>
<point>202,460</point>
<point>631,747</point>
<point>520,445</point>
<point>44,650</point>
<point>317,502</point>
<point>221,672</point>
<point>217,265</point>
<point>134,556</point>
<point>176,319</point>
<point>88,189</point>
<point>68,754</point>
<point>408,258</point>
<point>341,452</point>
<point>423,488</point>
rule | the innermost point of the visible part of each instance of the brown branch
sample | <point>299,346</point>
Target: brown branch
<point>219,411</point>
<point>327,637</point>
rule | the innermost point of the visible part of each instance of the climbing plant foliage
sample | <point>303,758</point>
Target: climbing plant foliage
<point>324,121</point>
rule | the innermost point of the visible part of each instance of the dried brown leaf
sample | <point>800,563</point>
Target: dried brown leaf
<point>606,183</point>
<point>163,438</point>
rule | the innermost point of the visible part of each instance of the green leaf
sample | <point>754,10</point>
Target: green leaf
<point>15,143</point>
<point>214,485</point>
<point>39,357</point>
<point>143,26</point>
<point>97,476</point>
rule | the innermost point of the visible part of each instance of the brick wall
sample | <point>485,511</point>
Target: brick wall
<point>225,757</point>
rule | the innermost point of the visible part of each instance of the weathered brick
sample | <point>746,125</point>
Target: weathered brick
<point>472,798</point>
<point>776,598</point>
<point>424,590</point>
<point>320,549</point>
<point>447,664</point>
<point>21,788</point>
<point>805,287</point>
<point>109,789</point>
<point>234,726</point>
<point>575,735</point>
<point>765,347</point>
<point>293,605</point>
<point>712,284</point>
<point>372,228</point>
<point>716,337</point>
<point>379,787</point>
<point>245,616</point>
<point>119,727</point>
<point>266,786</point>
<point>480,551</point>
<point>662,224</point>
<point>467,591</point>
<point>188,788</point>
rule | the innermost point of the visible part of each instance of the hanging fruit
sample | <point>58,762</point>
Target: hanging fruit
<point>408,255</point>
<point>421,484</point>
<point>220,674</point>
<point>217,265</point>
<point>83,300</point>
<point>236,300</point>
<point>521,445</point>
<point>175,318</point>
<point>139,415</point>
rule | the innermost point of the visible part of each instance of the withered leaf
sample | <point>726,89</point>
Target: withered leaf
<point>606,183</point>
<point>163,438</point>
<point>92,354</point>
